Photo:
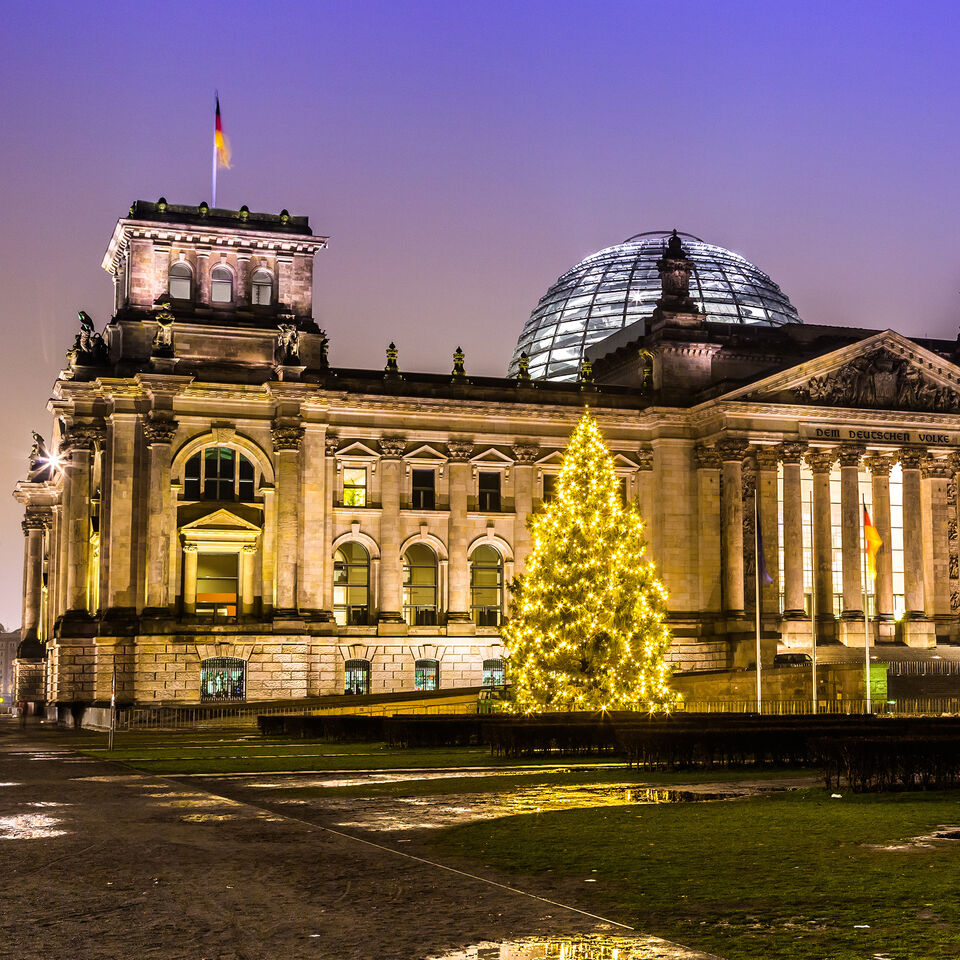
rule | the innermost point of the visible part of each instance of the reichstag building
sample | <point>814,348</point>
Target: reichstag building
<point>218,511</point>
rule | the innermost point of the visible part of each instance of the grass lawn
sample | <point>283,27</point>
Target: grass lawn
<point>793,875</point>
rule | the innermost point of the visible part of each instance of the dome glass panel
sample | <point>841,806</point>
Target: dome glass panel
<point>618,286</point>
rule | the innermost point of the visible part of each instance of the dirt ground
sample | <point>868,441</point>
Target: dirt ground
<point>98,861</point>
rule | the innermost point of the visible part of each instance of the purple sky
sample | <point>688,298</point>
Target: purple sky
<point>462,157</point>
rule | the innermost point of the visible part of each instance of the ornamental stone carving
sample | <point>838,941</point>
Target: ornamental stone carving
<point>89,348</point>
<point>879,380</point>
<point>159,431</point>
<point>645,458</point>
<point>330,445</point>
<point>460,450</point>
<point>820,461</point>
<point>391,448</point>
<point>288,345</point>
<point>730,448</point>
<point>707,458</point>
<point>82,436</point>
<point>910,457</point>
<point>674,268</point>
<point>792,451</point>
<point>525,452</point>
<point>850,454</point>
<point>934,468</point>
<point>766,457</point>
<point>35,520</point>
<point>286,437</point>
<point>878,466</point>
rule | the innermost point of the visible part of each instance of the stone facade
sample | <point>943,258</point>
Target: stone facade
<point>217,497</point>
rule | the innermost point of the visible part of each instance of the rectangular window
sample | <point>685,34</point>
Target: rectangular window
<point>489,489</point>
<point>217,584</point>
<point>218,473</point>
<point>354,486</point>
<point>623,490</point>
<point>246,479</point>
<point>191,479</point>
<point>424,492</point>
<point>549,487</point>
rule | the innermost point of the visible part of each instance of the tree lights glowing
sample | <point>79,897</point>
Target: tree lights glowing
<point>587,630</point>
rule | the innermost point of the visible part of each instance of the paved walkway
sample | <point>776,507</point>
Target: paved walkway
<point>101,862</point>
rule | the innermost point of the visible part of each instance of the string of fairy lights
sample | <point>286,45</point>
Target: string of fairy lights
<point>587,630</point>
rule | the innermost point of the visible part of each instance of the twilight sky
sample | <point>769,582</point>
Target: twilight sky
<point>461,157</point>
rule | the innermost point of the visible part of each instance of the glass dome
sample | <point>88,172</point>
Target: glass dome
<point>616,287</point>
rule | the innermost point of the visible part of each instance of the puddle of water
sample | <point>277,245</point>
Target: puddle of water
<point>587,947</point>
<point>10,783</point>
<point>208,817</point>
<point>927,841</point>
<point>435,812</point>
<point>47,803</point>
<point>30,826</point>
<point>376,779</point>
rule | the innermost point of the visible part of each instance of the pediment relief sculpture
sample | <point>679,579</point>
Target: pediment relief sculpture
<point>879,380</point>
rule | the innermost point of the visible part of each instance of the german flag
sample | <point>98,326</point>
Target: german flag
<point>220,142</point>
<point>872,542</point>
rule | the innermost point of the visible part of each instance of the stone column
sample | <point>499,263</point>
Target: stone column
<point>33,529</point>
<point>910,458</point>
<point>523,480</point>
<point>851,625</point>
<point>286,444</point>
<point>243,279</point>
<point>880,515</point>
<point>821,462</point>
<point>190,578</point>
<point>645,493</point>
<point>315,566</point>
<point>731,454</point>
<point>935,474</point>
<point>767,458</point>
<point>708,526</point>
<point>391,468</point>
<point>459,570</point>
<point>248,556</point>
<point>119,555</point>
<point>791,454</point>
<point>80,441</point>
<point>330,478</point>
<point>159,436</point>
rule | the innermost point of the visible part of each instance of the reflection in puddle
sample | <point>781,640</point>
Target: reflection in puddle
<point>587,947</point>
<point>436,812</point>
<point>208,817</point>
<point>378,779</point>
<point>30,826</point>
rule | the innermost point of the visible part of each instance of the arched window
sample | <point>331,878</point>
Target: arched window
<point>223,678</point>
<point>486,586</point>
<point>261,287</point>
<point>221,285</point>
<point>420,586</point>
<point>356,676</point>
<point>219,473</point>
<point>426,675</point>
<point>181,281</point>
<point>351,585</point>
<point>494,673</point>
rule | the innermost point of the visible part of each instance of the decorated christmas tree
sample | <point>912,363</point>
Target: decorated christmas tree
<point>587,630</point>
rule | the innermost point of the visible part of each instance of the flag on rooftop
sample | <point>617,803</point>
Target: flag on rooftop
<point>220,141</point>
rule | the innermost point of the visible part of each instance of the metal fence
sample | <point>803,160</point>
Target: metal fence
<point>924,668</point>
<point>904,707</point>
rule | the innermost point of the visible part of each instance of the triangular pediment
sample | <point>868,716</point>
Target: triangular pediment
<point>492,456</point>
<point>624,463</point>
<point>425,453</point>
<point>358,451</point>
<point>219,520</point>
<point>883,372</point>
<point>554,459</point>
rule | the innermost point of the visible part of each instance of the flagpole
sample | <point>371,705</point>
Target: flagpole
<point>756,582</point>
<point>213,203</point>
<point>866,625</point>
<point>813,604</point>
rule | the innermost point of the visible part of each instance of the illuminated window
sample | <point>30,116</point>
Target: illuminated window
<point>549,487</point>
<point>356,677</point>
<point>181,281</point>
<point>426,675</point>
<point>354,486</point>
<point>217,584</point>
<point>486,586</point>
<point>223,678</point>
<point>489,489</point>
<point>494,673</point>
<point>262,287</point>
<point>351,585</point>
<point>623,490</point>
<point>219,473</point>
<point>420,586</point>
<point>221,285</point>
<point>424,490</point>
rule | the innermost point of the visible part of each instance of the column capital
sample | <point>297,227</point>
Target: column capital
<point>935,468</point>
<point>791,451</point>
<point>35,521</point>
<point>525,452</point>
<point>766,457</point>
<point>850,454</point>
<point>645,458</point>
<point>460,450</point>
<point>159,431</point>
<point>878,465</point>
<point>391,448</point>
<point>730,448</point>
<point>249,549</point>
<point>189,548</point>
<point>820,461</point>
<point>707,457</point>
<point>82,436</point>
<point>286,436</point>
<point>911,456</point>
<point>331,445</point>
